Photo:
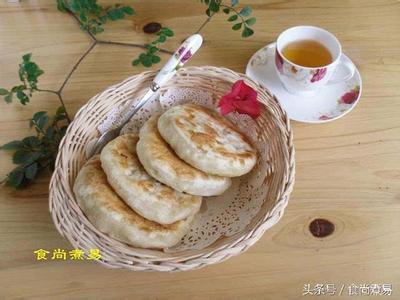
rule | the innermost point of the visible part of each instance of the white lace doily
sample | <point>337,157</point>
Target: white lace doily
<point>223,215</point>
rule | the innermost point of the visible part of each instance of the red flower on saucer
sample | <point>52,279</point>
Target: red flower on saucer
<point>324,117</point>
<point>242,99</point>
<point>350,97</point>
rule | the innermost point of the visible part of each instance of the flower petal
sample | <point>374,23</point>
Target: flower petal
<point>236,88</point>
<point>226,105</point>
<point>247,92</point>
<point>242,98</point>
<point>249,107</point>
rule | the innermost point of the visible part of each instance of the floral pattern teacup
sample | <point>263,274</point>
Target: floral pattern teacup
<point>305,80</point>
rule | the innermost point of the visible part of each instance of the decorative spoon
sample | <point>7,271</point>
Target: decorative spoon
<point>177,60</point>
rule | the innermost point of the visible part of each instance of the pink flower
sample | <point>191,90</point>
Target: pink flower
<point>187,55</point>
<point>319,74</point>
<point>324,117</point>
<point>350,97</point>
<point>278,61</point>
<point>242,99</point>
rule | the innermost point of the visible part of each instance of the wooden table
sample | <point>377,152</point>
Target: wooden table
<point>348,171</point>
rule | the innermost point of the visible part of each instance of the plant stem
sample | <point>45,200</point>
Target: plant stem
<point>47,91</point>
<point>205,23</point>
<point>65,109</point>
<point>76,65</point>
<point>130,45</point>
<point>235,11</point>
<point>79,22</point>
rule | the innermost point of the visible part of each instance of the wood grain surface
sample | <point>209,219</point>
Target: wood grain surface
<point>348,171</point>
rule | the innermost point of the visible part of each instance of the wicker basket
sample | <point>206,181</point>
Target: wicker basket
<point>74,226</point>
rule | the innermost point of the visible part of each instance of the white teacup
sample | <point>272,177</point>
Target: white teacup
<point>308,80</point>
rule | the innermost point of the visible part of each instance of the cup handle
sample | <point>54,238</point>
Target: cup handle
<point>343,64</point>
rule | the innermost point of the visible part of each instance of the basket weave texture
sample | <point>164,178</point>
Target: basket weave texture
<point>71,222</point>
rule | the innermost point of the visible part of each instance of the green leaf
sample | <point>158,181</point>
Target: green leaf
<point>152,49</point>
<point>232,18</point>
<point>8,98</point>
<point>115,14</point>
<point>251,21</point>
<point>128,10</point>
<point>32,141</point>
<point>162,38</point>
<point>49,132</point>
<point>40,119</point>
<point>23,98</point>
<point>27,57</point>
<point>30,172</point>
<point>155,59</point>
<point>15,177</point>
<point>61,6</point>
<point>34,153</point>
<point>146,61</point>
<point>168,32</point>
<point>18,88</point>
<point>135,62</point>
<point>208,12</point>
<point>214,6</point>
<point>3,92</point>
<point>21,157</point>
<point>30,68</point>
<point>39,115</point>
<point>63,130</point>
<point>43,122</point>
<point>60,110</point>
<point>237,26</point>
<point>226,10</point>
<point>246,11</point>
<point>247,32</point>
<point>13,145</point>
<point>234,2</point>
<point>92,15</point>
<point>103,19</point>
<point>83,17</point>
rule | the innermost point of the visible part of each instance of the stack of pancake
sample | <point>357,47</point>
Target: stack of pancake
<point>145,190</point>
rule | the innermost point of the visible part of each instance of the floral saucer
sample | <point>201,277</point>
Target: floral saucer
<point>330,103</point>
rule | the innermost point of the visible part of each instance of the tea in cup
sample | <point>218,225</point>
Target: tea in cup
<point>308,57</point>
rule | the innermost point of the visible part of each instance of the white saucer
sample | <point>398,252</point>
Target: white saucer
<point>331,103</point>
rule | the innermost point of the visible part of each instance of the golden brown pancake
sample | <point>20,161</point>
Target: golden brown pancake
<point>206,140</point>
<point>109,214</point>
<point>161,162</point>
<point>151,199</point>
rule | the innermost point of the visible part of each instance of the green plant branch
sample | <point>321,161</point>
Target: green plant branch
<point>36,153</point>
<point>91,35</point>
<point>150,57</point>
<point>234,10</point>
<point>214,6</point>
